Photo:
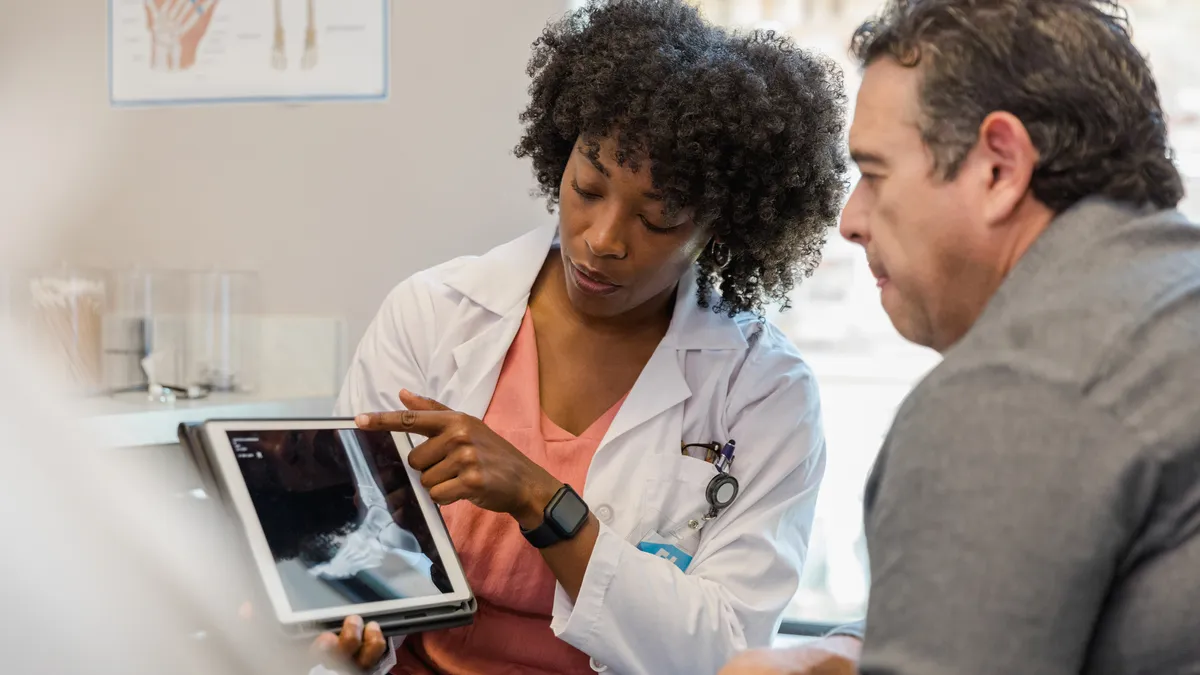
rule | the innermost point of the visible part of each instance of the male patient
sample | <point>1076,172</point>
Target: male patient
<point>1036,506</point>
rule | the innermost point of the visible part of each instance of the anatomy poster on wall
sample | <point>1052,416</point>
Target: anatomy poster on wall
<point>164,52</point>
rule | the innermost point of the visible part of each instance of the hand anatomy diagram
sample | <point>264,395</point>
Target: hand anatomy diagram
<point>183,51</point>
<point>279,51</point>
<point>176,28</point>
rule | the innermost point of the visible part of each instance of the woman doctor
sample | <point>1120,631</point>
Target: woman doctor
<point>695,174</point>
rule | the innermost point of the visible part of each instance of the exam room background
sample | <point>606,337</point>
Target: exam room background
<point>334,204</point>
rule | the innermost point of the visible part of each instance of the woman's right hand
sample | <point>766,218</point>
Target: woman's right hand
<point>362,646</point>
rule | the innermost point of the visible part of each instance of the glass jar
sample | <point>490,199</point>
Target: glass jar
<point>224,332</point>
<point>145,332</point>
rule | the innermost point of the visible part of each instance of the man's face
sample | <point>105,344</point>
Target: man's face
<point>924,236</point>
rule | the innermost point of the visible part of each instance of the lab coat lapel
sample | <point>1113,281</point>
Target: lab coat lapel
<point>498,282</point>
<point>501,278</point>
<point>660,387</point>
<point>479,361</point>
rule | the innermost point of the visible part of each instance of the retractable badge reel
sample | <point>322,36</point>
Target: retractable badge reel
<point>723,488</point>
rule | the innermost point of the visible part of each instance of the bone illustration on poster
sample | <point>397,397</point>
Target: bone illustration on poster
<point>176,30</point>
<point>279,47</point>
<point>188,52</point>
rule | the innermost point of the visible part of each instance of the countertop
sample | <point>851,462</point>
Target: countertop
<point>131,420</point>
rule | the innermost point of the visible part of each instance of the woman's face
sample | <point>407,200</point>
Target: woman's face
<point>619,250</point>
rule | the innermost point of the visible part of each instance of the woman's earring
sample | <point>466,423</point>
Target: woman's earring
<point>720,254</point>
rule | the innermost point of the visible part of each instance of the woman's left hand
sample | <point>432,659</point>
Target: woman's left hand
<point>464,459</point>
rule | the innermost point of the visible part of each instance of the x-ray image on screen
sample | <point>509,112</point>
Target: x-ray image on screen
<point>340,516</point>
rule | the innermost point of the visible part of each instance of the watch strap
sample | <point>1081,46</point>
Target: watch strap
<point>542,536</point>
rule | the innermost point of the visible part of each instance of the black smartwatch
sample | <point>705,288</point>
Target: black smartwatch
<point>564,516</point>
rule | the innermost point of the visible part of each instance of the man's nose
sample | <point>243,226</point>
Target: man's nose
<point>853,226</point>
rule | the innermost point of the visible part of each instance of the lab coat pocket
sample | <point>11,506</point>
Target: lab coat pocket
<point>680,496</point>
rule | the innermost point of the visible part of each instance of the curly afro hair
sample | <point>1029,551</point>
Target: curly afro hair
<point>744,128</point>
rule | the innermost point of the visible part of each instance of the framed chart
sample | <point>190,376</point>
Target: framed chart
<point>186,52</point>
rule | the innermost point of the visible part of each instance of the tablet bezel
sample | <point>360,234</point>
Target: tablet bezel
<point>243,506</point>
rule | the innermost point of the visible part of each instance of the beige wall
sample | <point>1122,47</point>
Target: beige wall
<point>332,204</point>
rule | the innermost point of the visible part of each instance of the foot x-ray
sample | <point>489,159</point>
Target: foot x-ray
<point>340,516</point>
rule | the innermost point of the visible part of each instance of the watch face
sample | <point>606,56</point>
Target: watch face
<point>569,513</point>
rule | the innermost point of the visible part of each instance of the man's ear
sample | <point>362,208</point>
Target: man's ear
<point>1008,151</point>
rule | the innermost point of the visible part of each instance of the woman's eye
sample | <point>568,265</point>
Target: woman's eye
<point>587,196</point>
<point>652,227</point>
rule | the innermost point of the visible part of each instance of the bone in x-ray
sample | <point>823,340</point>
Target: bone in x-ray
<point>377,536</point>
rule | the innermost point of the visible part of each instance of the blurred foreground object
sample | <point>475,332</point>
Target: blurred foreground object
<point>102,570</point>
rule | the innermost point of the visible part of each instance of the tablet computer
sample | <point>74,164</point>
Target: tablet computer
<point>336,522</point>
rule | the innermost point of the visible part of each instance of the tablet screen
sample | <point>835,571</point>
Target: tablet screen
<point>339,515</point>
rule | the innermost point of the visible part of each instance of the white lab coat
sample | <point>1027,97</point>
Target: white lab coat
<point>444,333</point>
